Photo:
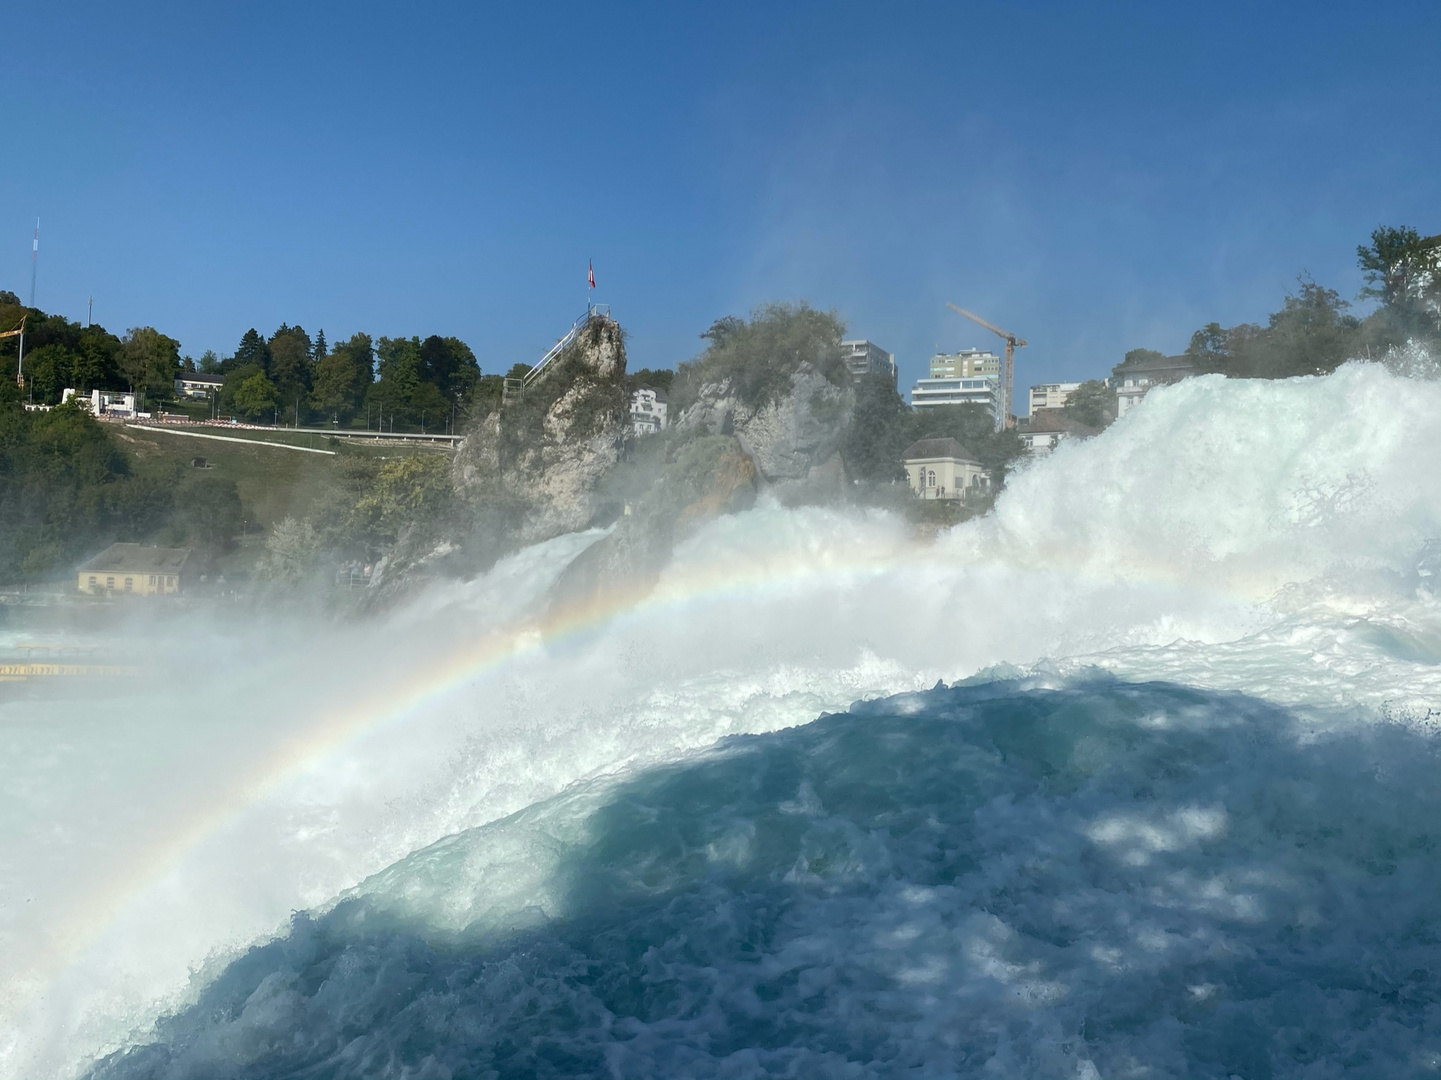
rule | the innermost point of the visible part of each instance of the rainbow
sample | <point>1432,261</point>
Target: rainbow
<point>463,665</point>
<point>427,685</point>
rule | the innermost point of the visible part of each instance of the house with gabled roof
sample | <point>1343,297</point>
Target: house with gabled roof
<point>944,469</point>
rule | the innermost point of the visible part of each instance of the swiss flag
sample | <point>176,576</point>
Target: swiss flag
<point>590,273</point>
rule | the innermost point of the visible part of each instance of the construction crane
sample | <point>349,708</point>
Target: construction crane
<point>1008,372</point>
<point>19,332</point>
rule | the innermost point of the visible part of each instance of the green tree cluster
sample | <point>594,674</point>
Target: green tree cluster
<point>67,490</point>
<point>1093,403</point>
<point>760,356</point>
<point>60,353</point>
<point>1314,332</point>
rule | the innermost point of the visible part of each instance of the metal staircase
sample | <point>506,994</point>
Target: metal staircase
<point>514,389</point>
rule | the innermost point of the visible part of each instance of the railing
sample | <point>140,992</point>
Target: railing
<point>592,311</point>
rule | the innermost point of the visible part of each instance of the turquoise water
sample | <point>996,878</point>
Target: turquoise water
<point>1171,811</point>
<point>1111,879</point>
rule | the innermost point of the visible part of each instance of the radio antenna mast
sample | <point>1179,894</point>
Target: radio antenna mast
<point>34,260</point>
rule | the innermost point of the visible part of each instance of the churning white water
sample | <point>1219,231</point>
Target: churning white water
<point>1179,817</point>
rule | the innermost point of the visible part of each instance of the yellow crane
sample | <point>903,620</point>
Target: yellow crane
<point>1008,370</point>
<point>19,332</point>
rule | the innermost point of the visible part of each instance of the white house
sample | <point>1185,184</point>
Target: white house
<point>197,384</point>
<point>944,469</point>
<point>1132,381</point>
<point>1046,429</point>
<point>647,410</point>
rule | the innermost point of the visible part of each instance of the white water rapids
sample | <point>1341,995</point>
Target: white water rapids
<point>1179,822</point>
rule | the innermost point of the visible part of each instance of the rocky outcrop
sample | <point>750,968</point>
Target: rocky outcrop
<point>533,469</point>
<point>705,477</point>
<point>793,439</point>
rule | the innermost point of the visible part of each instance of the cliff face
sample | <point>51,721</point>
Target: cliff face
<point>795,438</point>
<point>532,470</point>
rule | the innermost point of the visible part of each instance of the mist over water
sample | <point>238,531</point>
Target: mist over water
<point>1182,818</point>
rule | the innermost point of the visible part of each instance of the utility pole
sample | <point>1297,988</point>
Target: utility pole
<point>89,312</point>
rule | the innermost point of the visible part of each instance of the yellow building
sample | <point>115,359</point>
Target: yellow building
<point>135,568</point>
<point>944,469</point>
<point>966,364</point>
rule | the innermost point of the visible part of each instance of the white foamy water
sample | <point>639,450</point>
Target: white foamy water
<point>914,886</point>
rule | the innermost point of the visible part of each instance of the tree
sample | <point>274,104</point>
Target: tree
<point>1392,262</point>
<point>397,378</point>
<point>342,378</point>
<point>149,360</point>
<point>210,364</point>
<point>1140,356</point>
<point>759,358</point>
<point>255,397</point>
<point>656,378</point>
<point>1403,271</point>
<point>409,491</point>
<point>252,351</point>
<point>318,353</point>
<point>48,371</point>
<point>1310,335</point>
<point>292,553</point>
<point>879,431</point>
<point>1093,403</point>
<point>209,513</point>
<point>449,366</point>
<point>290,368</point>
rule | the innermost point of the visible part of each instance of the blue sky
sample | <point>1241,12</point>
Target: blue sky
<point>1093,177</point>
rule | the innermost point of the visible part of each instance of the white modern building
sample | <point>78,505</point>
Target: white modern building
<point>966,364</point>
<point>930,393</point>
<point>867,358</point>
<point>944,469</point>
<point>1052,395</point>
<point>195,384</point>
<point>647,411</point>
<point>106,402</point>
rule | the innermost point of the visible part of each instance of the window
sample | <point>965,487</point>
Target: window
<point>930,478</point>
<point>152,579</point>
<point>110,583</point>
<point>94,581</point>
<point>129,584</point>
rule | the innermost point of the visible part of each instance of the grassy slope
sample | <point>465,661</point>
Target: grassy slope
<point>272,482</point>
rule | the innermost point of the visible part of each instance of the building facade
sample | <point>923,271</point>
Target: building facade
<point>1133,381</point>
<point>867,358</point>
<point>107,402</point>
<point>930,393</point>
<point>195,384</point>
<point>1046,429</point>
<point>647,411</point>
<point>136,570</point>
<point>944,469</point>
<point>966,364</point>
<point>1052,395</point>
